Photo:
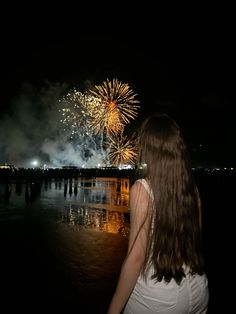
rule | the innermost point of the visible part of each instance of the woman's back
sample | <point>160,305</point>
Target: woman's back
<point>164,268</point>
<point>152,296</point>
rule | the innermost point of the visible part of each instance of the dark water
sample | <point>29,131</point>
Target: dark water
<point>62,242</point>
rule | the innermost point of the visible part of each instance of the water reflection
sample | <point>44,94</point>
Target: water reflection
<point>111,191</point>
<point>100,203</point>
<point>99,219</point>
<point>96,203</point>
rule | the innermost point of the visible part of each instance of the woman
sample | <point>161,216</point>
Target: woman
<point>163,270</point>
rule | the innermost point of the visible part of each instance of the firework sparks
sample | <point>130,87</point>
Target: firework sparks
<point>118,105</point>
<point>122,150</point>
<point>78,112</point>
<point>107,121</point>
<point>97,120</point>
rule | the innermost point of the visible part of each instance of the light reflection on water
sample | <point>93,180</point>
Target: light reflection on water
<point>95,203</point>
<point>94,218</point>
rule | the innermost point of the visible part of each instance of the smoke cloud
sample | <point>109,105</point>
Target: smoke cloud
<point>32,130</point>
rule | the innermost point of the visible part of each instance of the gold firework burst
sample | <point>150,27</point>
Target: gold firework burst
<point>122,150</point>
<point>118,105</point>
<point>107,121</point>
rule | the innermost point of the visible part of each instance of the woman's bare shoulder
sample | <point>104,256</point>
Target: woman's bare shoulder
<point>138,188</point>
<point>139,198</point>
<point>136,185</point>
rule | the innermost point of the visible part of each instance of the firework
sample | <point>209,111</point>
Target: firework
<point>107,121</point>
<point>96,120</point>
<point>122,150</point>
<point>118,105</point>
<point>78,112</point>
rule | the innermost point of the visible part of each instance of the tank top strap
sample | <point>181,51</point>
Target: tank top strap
<point>146,186</point>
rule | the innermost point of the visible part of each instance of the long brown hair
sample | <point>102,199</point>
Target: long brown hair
<point>175,213</point>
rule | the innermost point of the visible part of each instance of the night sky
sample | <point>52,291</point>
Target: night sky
<point>179,60</point>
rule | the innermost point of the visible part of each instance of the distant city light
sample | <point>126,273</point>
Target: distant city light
<point>35,163</point>
<point>128,166</point>
<point>143,166</point>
